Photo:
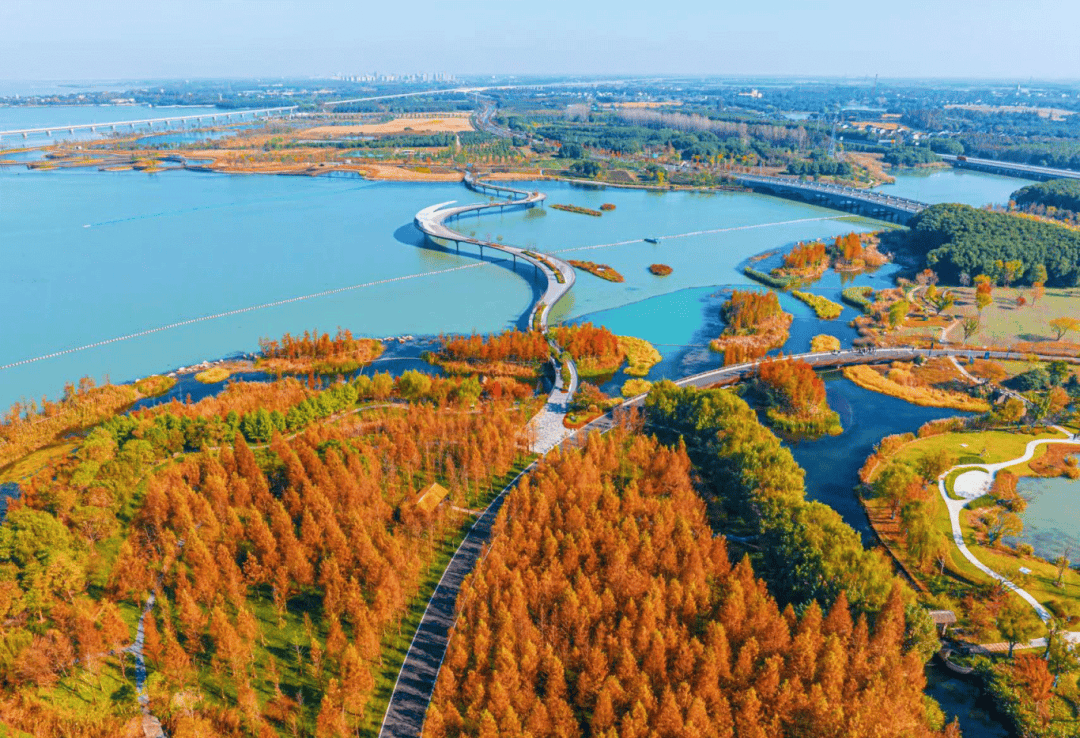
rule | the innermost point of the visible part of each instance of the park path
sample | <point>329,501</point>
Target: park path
<point>955,506</point>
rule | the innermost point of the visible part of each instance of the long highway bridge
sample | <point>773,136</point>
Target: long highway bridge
<point>1009,169</point>
<point>861,201</point>
<point>150,122</point>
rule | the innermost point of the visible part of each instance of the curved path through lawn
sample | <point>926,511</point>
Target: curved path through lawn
<point>981,487</point>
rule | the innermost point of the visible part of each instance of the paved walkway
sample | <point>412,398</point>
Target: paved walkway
<point>405,712</point>
<point>409,700</point>
<point>955,506</point>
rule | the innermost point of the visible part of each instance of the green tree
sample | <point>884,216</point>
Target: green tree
<point>970,327</point>
<point>897,312</point>
<point>1018,623</point>
<point>1000,523</point>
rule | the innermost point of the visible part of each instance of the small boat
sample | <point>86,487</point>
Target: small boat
<point>652,240</point>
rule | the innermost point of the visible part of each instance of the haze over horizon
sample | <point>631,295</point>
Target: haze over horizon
<point>283,38</point>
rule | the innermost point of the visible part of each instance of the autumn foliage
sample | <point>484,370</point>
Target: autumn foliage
<point>324,354</point>
<point>849,247</point>
<point>516,345</point>
<point>606,607</point>
<point>595,349</point>
<point>806,256</point>
<point>795,396</point>
<point>755,325</point>
<point>279,572</point>
<point>29,426</point>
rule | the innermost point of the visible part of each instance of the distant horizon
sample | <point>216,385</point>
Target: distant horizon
<point>505,76</point>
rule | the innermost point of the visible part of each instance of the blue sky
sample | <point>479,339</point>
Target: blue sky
<point>73,39</point>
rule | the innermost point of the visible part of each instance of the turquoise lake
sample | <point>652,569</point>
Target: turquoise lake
<point>95,256</point>
<point>1052,517</point>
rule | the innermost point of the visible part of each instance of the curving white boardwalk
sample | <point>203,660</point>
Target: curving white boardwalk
<point>979,486</point>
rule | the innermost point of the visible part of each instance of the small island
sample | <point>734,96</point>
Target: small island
<point>577,209</point>
<point>597,270</point>
<point>660,270</point>
<point>755,325</point>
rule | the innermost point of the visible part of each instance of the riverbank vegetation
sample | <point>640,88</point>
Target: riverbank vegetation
<point>780,283</point>
<point>795,399</point>
<point>213,375</point>
<point>805,262</point>
<point>1058,199</point>
<point>618,576</point>
<point>509,354</point>
<point>858,296</point>
<point>755,324</point>
<point>854,252</point>
<point>635,387</point>
<point>641,356</point>
<point>319,353</point>
<point>824,342</point>
<point>823,307</point>
<point>597,270</point>
<point>898,380</point>
<point>595,349</point>
<point>599,352</point>
<point>28,426</point>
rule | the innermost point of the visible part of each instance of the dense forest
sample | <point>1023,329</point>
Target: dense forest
<point>606,607</point>
<point>1063,194</point>
<point>956,240</point>
<point>910,156</point>
<point>281,571</point>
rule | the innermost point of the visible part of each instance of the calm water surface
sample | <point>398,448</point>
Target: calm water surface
<point>1052,517</point>
<point>954,185</point>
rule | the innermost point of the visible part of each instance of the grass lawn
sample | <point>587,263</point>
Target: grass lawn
<point>1003,323</point>
<point>982,447</point>
<point>1039,584</point>
<point>85,696</point>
